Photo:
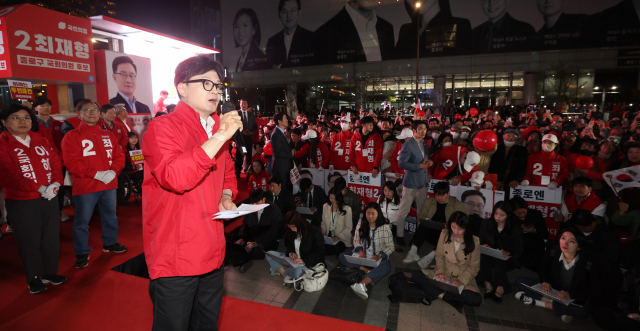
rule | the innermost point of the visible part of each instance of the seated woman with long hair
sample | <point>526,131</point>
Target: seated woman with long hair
<point>457,261</point>
<point>373,240</point>
<point>336,223</point>
<point>390,206</point>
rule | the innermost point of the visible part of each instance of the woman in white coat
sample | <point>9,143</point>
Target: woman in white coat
<point>390,205</point>
<point>336,223</point>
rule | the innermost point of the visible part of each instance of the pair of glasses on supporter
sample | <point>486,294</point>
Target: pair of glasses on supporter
<point>94,110</point>
<point>21,119</point>
<point>207,84</point>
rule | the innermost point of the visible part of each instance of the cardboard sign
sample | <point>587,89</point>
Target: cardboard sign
<point>547,201</point>
<point>21,90</point>
<point>136,157</point>
<point>365,186</point>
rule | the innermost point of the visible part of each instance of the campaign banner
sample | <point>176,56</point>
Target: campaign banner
<point>21,90</point>
<point>547,201</point>
<point>479,202</point>
<point>5,60</point>
<point>317,177</point>
<point>330,178</point>
<point>365,186</point>
<point>136,157</point>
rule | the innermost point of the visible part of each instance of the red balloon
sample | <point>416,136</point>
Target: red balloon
<point>420,113</point>
<point>584,162</point>
<point>473,112</point>
<point>458,117</point>
<point>485,140</point>
<point>267,149</point>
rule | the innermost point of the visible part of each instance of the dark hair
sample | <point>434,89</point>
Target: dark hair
<point>41,101</point>
<point>580,237</point>
<point>196,65</point>
<point>259,144</point>
<point>279,117</point>
<point>470,193</point>
<point>416,124</point>
<point>462,220</point>
<point>340,183</point>
<point>296,131</point>
<point>589,141</point>
<point>305,184</point>
<point>582,217</point>
<point>121,60</point>
<point>582,181</point>
<point>12,109</point>
<point>83,102</point>
<point>364,229</point>
<point>259,162</point>
<point>275,179</point>
<point>441,188</point>
<point>339,199</point>
<point>441,139</point>
<point>256,195</point>
<point>254,21</point>
<point>281,4</point>
<point>312,122</point>
<point>302,226</point>
<point>164,92</point>
<point>367,120</point>
<point>129,135</point>
<point>391,186</point>
<point>170,107</point>
<point>518,203</point>
<point>505,206</point>
<point>105,108</point>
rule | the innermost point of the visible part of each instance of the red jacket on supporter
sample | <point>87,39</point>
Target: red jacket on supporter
<point>261,122</point>
<point>87,150</point>
<point>258,156</point>
<point>395,158</point>
<point>260,181</point>
<point>446,160</point>
<point>322,157</point>
<point>591,203</point>
<point>118,130</point>
<point>543,168</point>
<point>340,157</point>
<point>595,172</point>
<point>53,133</point>
<point>119,121</point>
<point>368,156</point>
<point>24,169</point>
<point>182,191</point>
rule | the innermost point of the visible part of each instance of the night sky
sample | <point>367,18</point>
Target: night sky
<point>167,16</point>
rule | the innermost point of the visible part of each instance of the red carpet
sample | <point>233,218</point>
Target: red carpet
<point>97,298</point>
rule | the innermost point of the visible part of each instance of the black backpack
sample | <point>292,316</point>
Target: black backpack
<point>403,289</point>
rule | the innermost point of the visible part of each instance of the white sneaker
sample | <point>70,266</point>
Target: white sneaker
<point>426,260</point>
<point>63,217</point>
<point>411,257</point>
<point>360,289</point>
<point>567,318</point>
<point>527,300</point>
<point>273,273</point>
<point>8,229</point>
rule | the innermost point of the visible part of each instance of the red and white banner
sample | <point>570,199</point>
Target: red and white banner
<point>21,90</point>
<point>136,157</point>
<point>365,186</point>
<point>5,60</point>
<point>547,201</point>
<point>476,204</point>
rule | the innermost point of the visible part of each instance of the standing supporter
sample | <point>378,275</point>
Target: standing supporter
<point>336,223</point>
<point>299,148</point>
<point>190,178</point>
<point>534,233</point>
<point>609,152</point>
<point>136,172</point>
<point>122,114</point>
<point>444,140</point>
<point>259,148</point>
<point>546,168</point>
<point>282,158</point>
<point>31,175</point>
<point>366,149</point>
<point>73,122</point>
<point>107,123</point>
<point>456,134</point>
<point>390,142</point>
<point>159,106</point>
<point>94,160</point>
<point>509,161</point>
<point>415,160</point>
<point>318,152</point>
<point>588,147</point>
<point>259,178</point>
<point>455,164</point>
<point>581,198</point>
<point>249,127</point>
<point>403,137</point>
<point>352,200</point>
<point>569,139</point>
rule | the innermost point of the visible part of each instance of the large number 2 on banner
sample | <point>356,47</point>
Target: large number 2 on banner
<point>537,169</point>
<point>337,149</point>
<point>447,164</point>
<point>87,145</point>
<point>358,145</point>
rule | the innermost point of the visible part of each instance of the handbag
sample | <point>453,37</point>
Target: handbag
<point>348,276</point>
<point>313,280</point>
<point>403,289</point>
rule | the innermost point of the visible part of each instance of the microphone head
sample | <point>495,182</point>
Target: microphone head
<point>227,107</point>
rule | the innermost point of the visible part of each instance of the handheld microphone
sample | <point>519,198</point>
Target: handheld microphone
<point>227,107</point>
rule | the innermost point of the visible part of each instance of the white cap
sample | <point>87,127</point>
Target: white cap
<point>309,135</point>
<point>346,119</point>
<point>473,159</point>
<point>551,137</point>
<point>406,133</point>
<point>477,178</point>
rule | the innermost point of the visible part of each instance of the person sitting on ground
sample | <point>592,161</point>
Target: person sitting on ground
<point>438,209</point>
<point>258,234</point>
<point>336,223</point>
<point>564,269</point>
<point>534,232</point>
<point>352,200</point>
<point>581,198</point>
<point>258,177</point>
<point>457,261</point>
<point>499,232</point>
<point>373,240</point>
<point>279,196</point>
<point>390,206</point>
<point>314,198</point>
<point>305,247</point>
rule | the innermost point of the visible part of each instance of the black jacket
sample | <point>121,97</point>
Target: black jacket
<point>534,217</point>
<point>319,199</point>
<point>141,108</point>
<point>285,202</point>
<point>300,51</point>
<point>510,239</point>
<point>629,301</point>
<point>499,163</point>
<point>562,35</point>
<point>311,247</point>
<point>510,35</point>
<point>266,230</point>
<point>255,60</point>
<point>337,41</point>
<point>445,35</point>
<point>282,161</point>
<point>550,273</point>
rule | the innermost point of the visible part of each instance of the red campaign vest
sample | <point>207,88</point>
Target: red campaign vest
<point>368,156</point>
<point>322,157</point>
<point>260,181</point>
<point>340,156</point>
<point>590,203</point>
<point>541,164</point>
<point>395,158</point>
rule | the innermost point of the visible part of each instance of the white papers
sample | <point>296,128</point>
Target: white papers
<point>446,286</point>
<point>362,261</point>
<point>493,253</point>
<point>551,295</point>
<point>283,259</point>
<point>328,241</point>
<point>244,209</point>
<point>304,210</point>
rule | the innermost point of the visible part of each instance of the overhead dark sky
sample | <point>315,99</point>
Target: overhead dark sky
<point>167,16</point>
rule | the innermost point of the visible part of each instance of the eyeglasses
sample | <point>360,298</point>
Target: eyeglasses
<point>473,205</point>
<point>208,85</point>
<point>22,119</point>
<point>125,75</point>
<point>95,110</point>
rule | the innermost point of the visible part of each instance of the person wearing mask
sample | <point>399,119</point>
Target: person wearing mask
<point>282,159</point>
<point>336,223</point>
<point>372,240</point>
<point>455,164</point>
<point>415,160</point>
<point>534,232</point>
<point>31,176</point>
<point>351,199</point>
<point>457,258</point>
<point>546,168</point>
<point>305,246</point>
<point>314,198</point>
<point>456,134</point>
<point>444,140</point>
<point>366,149</point>
<point>433,135</point>
<point>438,209</point>
<point>609,153</point>
<point>94,159</point>
<point>279,196</point>
<point>499,232</point>
<point>108,123</point>
<point>564,269</point>
<point>259,178</point>
<point>509,161</point>
<point>258,234</point>
<point>581,198</point>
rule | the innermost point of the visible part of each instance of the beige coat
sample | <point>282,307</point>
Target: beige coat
<point>457,266</point>
<point>431,205</point>
<point>343,223</point>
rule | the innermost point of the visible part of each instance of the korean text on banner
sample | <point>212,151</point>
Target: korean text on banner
<point>136,157</point>
<point>21,90</point>
<point>547,201</point>
<point>365,186</point>
<point>317,177</point>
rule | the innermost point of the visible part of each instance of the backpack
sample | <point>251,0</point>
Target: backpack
<point>403,289</point>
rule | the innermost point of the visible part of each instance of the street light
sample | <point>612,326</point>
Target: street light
<point>418,21</point>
